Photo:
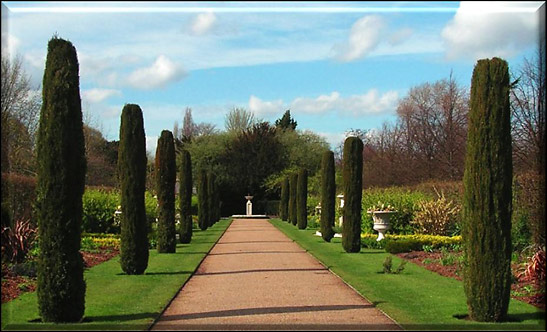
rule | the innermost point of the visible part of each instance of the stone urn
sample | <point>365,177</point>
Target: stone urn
<point>381,222</point>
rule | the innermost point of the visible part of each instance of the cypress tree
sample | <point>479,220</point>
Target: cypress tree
<point>60,187</point>
<point>302,198</point>
<point>165,168</point>
<point>352,176</point>
<point>216,200</point>
<point>211,198</point>
<point>203,205</point>
<point>132,173</point>
<point>284,203</point>
<point>487,204</point>
<point>293,181</point>
<point>185,195</point>
<point>328,196</point>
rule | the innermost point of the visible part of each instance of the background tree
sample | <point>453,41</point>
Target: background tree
<point>238,120</point>
<point>353,191</point>
<point>301,199</point>
<point>293,182</point>
<point>132,168</point>
<point>286,122</point>
<point>488,192</point>
<point>203,206</point>
<point>61,176</point>
<point>185,195</point>
<point>284,203</point>
<point>165,188</point>
<point>328,196</point>
<point>20,112</point>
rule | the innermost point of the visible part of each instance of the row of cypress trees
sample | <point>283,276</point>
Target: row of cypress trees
<point>62,166</point>
<point>294,199</point>
<point>208,200</point>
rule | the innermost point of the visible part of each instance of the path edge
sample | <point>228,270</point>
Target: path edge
<point>331,271</point>
<point>184,283</point>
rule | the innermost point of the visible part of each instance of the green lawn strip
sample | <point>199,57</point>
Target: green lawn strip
<point>416,298</point>
<point>116,301</point>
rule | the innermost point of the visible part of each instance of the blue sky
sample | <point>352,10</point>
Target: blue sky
<point>335,65</point>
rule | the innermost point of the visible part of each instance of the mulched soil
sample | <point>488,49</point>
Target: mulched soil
<point>14,285</point>
<point>520,287</point>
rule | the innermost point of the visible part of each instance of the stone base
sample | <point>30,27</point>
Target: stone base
<point>252,216</point>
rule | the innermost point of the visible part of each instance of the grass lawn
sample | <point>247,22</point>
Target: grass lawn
<point>116,301</point>
<point>417,299</point>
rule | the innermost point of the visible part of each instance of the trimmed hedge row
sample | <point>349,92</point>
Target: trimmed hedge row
<point>405,243</point>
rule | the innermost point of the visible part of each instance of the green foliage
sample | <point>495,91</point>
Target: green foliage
<point>301,199</point>
<point>284,204</point>
<point>132,173</point>
<point>403,200</point>
<point>353,184</point>
<point>185,197</point>
<point>328,196</point>
<point>488,192</point>
<point>286,122</point>
<point>293,181</point>
<point>60,186</point>
<point>99,206</point>
<point>165,169</point>
<point>203,206</point>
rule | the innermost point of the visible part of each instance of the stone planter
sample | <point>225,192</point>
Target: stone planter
<point>381,222</point>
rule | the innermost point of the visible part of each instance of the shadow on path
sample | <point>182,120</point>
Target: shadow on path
<point>262,311</point>
<point>260,270</point>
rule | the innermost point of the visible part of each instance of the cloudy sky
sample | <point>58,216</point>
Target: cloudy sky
<point>336,66</point>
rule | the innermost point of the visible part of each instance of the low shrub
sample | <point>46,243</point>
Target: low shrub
<point>387,265</point>
<point>17,241</point>
<point>404,201</point>
<point>405,243</point>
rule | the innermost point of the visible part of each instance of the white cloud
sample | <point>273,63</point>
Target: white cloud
<point>400,36</point>
<point>363,39</point>
<point>10,44</point>
<point>265,108</point>
<point>371,102</point>
<point>203,23</point>
<point>487,29</point>
<point>98,95</point>
<point>334,139</point>
<point>151,144</point>
<point>162,72</point>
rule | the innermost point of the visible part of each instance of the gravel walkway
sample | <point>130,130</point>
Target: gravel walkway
<point>256,278</point>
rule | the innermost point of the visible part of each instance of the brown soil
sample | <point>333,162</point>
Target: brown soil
<point>523,289</point>
<point>15,285</point>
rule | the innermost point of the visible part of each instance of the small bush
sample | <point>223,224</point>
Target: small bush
<point>388,266</point>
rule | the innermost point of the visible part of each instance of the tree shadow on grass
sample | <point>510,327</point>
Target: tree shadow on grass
<point>120,318</point>
<point>511,318</point>
<point>155,273</point>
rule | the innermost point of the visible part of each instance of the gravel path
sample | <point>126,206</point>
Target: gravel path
<point>256,278</point>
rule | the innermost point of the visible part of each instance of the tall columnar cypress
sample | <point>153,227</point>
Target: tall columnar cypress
<point>60,186</point>
<point>185,195</point>
<point>293,182</point>
<point>284,204</point>
<point>211,198</point>
<point>132,174</point>
<point>352,176</point>
<point>216,200</point>
<point>487,198</point>
<point>302,199</point>
<point>328,196</point>
<point>165,168</point>
<point>203,205</point>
